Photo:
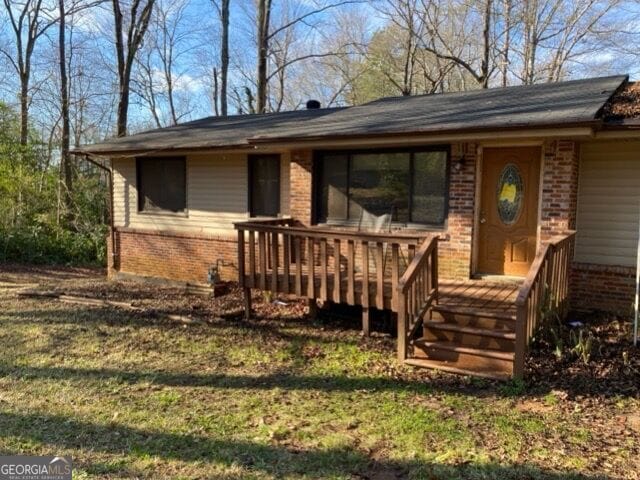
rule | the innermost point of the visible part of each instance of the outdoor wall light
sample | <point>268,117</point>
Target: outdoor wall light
<point>460,163</point>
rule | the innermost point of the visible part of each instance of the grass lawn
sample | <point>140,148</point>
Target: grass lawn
<point>130,395</point>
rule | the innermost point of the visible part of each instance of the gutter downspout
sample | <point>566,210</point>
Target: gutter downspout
<point>109,171</point>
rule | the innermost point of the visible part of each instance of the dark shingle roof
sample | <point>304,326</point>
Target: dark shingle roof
<point>230,131</point>
<point>526,106</point>
<point>565,103</point>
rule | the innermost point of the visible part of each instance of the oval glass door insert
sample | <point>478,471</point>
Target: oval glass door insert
<point>510,190</point>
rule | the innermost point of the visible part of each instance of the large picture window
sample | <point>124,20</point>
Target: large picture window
<point>409,185</point>
<point>161,184</point>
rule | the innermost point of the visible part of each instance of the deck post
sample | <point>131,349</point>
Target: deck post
<point>313,308</point>
<point>402,327</point>
<point>247,303</point>
<point>521,342</point>
<point>366,325</point>
<point>241,275</point>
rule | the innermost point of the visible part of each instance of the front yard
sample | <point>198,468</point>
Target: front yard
<point>136,395</point>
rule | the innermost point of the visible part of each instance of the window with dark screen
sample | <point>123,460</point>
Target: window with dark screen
<point>161,184</point>
<point>410,185</point>
<point>264,185</point>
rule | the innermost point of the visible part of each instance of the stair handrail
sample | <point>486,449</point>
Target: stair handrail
<point>545,291</point>
<point>417,292</point>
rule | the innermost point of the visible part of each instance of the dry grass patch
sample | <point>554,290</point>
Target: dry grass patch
<point>130,395</point>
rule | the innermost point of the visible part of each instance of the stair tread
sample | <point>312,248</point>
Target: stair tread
<point>451,368</point>
<point>454,347</point>
<point>484,332</point>
<point>473,311</point>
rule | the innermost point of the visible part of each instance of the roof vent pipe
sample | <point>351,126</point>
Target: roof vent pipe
<point>313,105</point>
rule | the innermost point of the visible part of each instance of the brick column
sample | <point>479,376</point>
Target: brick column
<point>301,185</point>
<point>455,254</point>
<point>559,187</point>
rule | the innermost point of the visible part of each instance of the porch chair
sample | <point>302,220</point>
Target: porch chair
<point>376,224</point>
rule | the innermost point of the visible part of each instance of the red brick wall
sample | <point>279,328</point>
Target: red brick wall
<point>301,185</point>
<point>174,255</point>
<point>559,187</point>
<point>454,259</point>
<point>603,287</point>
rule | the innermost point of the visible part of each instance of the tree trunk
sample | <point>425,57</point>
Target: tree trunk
<point>484,74</point>
<point>65,156</point>
<point>506,6</point>
<point>224,55</point>
<point>264,13</point>
<point>24,109</point>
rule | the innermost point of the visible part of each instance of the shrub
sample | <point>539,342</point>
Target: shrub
<point>49,245</point>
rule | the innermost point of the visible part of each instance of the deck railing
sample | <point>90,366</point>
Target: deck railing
<point>417,291</point>
<point>329,264</point>
<point>544,293</point>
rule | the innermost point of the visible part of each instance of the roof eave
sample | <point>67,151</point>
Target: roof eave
<point>590,124</point>
<point>159,150</point>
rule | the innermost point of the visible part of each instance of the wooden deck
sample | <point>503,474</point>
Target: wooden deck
<point>480,296</point>
<point>477,327</point>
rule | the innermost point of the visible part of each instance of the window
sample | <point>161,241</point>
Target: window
<point>409,185</point>
<point>161,184</point>
<point>264,185</point>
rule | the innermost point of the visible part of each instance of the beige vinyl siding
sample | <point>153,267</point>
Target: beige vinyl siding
<point>608,203</point>
<point>217,195</point>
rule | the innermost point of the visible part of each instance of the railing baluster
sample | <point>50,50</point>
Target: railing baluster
<point>395,265</point>
<point>252,259</point>
<point>262,258</point>
<point>286,262</point>
<point>351,281</point>
<point>379,276</point>
<point>365,274</point>
<point>298,255</point>
<point>274,262</point>
<point>336,271</point>
<point>323,270</point>
<point>311,274</point>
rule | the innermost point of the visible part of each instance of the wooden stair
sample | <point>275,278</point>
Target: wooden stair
<point>471,331</point>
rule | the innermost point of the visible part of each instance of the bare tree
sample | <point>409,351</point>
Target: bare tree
<point>161,77</point>
<point>444,45</point>
<point>135,28</point>
<point>29,20</point>
<point>266,34</point>
<point>555,32</point>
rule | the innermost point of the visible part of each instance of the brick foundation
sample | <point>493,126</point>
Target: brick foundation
<point>603,288</point>
<point>174,255</point>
